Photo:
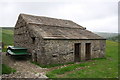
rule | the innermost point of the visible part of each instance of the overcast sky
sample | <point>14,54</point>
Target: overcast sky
<point>95,15</point>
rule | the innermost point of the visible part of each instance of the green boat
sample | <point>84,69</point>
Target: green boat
<point>11,50</point>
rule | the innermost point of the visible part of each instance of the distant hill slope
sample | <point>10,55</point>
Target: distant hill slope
<point>110,36</point>
<point>7,35</point>
<point>8,28</point>
<point>115,38</point>
<point>106,35</point>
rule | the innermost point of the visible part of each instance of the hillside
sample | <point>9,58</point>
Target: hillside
<point>110,36</point>
<point>106,35</point>
<point>7,36</point>
<point>115,38</point>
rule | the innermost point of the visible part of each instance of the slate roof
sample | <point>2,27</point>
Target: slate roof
<point>52,28</point>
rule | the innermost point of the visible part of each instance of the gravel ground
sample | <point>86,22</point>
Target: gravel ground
<point>24,69</point>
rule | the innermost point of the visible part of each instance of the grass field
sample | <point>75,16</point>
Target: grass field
<point>98,68</point>
<point>7,38</point>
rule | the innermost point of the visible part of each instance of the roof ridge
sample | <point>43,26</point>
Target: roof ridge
<point>56,26</point>
<point>22,14</point>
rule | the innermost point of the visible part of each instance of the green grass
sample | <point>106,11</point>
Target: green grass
<point>7,70</point>
<point>53,73</point>
<point>101,68</point>
<point>50,65</point>
<point>7,38</point>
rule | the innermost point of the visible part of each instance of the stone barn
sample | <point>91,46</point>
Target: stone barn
<point>53,41</point>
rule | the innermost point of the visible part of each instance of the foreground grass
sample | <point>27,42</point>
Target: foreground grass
<point>99,68</point>
<point>7,70</point>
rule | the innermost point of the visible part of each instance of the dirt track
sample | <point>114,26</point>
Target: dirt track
<point>24,69</point>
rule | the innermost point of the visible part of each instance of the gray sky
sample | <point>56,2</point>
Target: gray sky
<point>95,15</point>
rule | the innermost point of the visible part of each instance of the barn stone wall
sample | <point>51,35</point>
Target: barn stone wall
<point>23,37</point>
<point>62,51</point>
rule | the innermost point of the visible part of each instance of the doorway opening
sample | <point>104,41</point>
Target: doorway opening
<point>77,52</point>
<point>33,40</point>
<point>87,51</point>
<point>35,57</point>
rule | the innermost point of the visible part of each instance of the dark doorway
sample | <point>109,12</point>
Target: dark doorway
<point>35,57</point>
<point>88,51</point>
<point>77,51</point>
<point>33,40</point>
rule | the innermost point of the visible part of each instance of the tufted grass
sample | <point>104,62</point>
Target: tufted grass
<point>7,70</point>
